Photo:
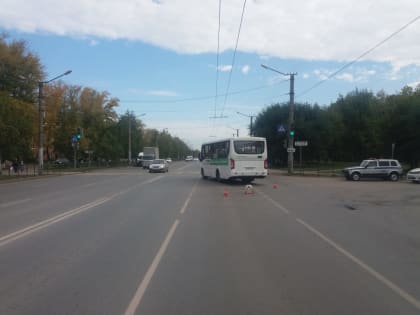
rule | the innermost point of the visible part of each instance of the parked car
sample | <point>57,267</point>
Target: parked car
<point>169,160</point>
<point>158,166</point>
<point>61,162</point>
<point>414,175</point>
<point>189,158</point>
<point>375,168</point>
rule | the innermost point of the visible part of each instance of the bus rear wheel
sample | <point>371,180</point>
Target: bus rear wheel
<point>218,179</point>
<point>203,176</point>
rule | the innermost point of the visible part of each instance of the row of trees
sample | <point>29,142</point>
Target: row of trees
<point>356,126</point>
<point>68,108</point>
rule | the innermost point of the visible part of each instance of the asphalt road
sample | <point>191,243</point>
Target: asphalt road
<point>123,241</point>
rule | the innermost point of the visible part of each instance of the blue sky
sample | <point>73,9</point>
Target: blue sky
<point>153,55</point>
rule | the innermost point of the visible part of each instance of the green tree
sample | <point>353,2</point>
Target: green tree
<point>20,70</point>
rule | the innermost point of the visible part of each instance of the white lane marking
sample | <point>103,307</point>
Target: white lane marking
<point>399,291</point>
<point>135,186</point>
<point>183,167</point>
<point>13,203</point>
<point>89,185</point>
<point>286,211</point>
<point>184,207</point>
<point>136,300</point>
<point>43,224</point>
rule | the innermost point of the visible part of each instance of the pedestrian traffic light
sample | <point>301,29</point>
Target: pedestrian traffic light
<point>78,135</point>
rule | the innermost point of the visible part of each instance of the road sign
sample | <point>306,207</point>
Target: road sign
<point>73,139</point>
<point>280,128</point>
<point>291,150</point>
<point>301,143</point>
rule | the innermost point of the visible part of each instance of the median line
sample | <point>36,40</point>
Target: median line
<point>275,203</point>
<point>138,296</point>
<point>388,283</point>
<point>184,207</point>
<point>46,223</point>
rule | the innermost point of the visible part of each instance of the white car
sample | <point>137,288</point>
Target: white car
<point>169,160</point>
<point>158,166</point>
<point>189,158</point>
<point>414,175</point>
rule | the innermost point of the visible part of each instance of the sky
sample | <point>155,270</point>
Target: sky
<point>169,62</point>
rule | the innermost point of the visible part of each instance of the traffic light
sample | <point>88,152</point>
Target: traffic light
<point>78,134</point>
<point>292,133</point>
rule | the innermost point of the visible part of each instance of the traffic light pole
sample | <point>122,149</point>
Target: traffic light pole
<point>290,135</point>
<point>40,129</point>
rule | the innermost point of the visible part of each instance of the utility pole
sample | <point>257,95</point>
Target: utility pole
<point>290,122</point>
<point>129,138</point>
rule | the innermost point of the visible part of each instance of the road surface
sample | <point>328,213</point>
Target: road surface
<point>123,241</point>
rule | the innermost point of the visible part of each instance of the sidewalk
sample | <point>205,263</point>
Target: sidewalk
<point>303,172</point>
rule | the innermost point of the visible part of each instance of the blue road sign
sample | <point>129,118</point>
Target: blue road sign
<point>280,128</point>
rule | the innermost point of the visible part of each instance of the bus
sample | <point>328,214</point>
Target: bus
<point>243,158</point>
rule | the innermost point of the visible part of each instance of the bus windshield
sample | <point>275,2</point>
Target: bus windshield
<point>249,147</point>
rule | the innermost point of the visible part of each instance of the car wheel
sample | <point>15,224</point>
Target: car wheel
<point>394,177</point>
<point>355,176</point>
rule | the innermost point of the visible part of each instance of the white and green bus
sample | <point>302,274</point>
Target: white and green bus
<point>242,158</point>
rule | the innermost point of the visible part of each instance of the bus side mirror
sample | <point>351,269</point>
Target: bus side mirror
<point>200,157</point>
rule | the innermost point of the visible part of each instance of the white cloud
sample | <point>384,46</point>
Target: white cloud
<point>322,74</point>
<point>245,69</point>
<point>322,30</point>
<point>353,75</point>
<point>306,76</point>
<point>161,93</point>
<point>93,43</point>
<point>345,77</point>
<point>225,68</point>
<point>414,84</point>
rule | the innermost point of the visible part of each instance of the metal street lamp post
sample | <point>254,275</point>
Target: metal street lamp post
<point>41,110</point>
<point>290,132</point>
<point>251,118</point>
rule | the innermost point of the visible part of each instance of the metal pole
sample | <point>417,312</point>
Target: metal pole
<point>41,110</point>
<point>290,124</point>
<point>74,155</point>
<point>40,130</point>
<point>300,157</point>
<point>129,139</point>
<point>250,129</point>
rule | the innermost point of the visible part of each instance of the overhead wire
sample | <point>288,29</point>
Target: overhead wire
<point>217,59</point>
<point>200,98</point>
<point>217,64</point>
<point>234,57</point>
<point>359,57</point>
